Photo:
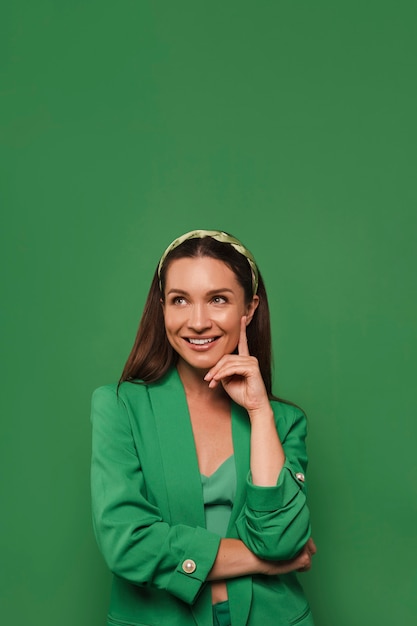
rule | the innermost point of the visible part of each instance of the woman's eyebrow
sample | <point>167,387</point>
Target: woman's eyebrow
<point>212,292</point>
<point>180,291</point>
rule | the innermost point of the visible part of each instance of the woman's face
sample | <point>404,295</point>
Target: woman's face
<point>203,308</point>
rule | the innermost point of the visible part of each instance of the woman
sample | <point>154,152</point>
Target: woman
<point>198,471</point>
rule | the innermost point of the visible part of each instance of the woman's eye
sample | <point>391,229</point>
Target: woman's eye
<point>219,299</point>
<point>178,300</point>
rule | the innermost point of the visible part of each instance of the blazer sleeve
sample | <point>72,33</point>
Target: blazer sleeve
<point>275,521</point>
<point>136,542</point>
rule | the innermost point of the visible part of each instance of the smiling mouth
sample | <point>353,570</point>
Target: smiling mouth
<point>201,342</point>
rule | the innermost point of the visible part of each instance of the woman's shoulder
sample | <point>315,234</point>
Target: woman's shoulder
<point>135,389</point>
<point>122,389</point>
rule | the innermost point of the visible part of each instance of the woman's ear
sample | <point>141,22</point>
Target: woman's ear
<point>251,308</point>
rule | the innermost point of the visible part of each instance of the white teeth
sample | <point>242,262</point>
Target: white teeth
<point>200,342</point>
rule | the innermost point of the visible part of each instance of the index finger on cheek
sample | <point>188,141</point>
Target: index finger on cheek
<point>242,347</point>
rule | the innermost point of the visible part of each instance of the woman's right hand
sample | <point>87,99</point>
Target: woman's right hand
<point>300,563</point>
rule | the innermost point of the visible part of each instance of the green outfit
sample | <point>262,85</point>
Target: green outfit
<point>149,518</point>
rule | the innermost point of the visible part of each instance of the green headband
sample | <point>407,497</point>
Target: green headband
<point>218,235</point>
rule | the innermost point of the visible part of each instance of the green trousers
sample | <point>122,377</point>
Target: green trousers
<point>221,614</point>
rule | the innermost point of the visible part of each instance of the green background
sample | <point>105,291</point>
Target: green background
<point>291,124</point>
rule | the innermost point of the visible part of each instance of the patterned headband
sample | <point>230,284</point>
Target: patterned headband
<point>218,235</point>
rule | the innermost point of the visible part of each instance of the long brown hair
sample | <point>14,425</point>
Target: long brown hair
<point>152,355</point>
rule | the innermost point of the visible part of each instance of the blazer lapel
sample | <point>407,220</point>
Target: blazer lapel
<point>241,447</point>
<point>179,457</point>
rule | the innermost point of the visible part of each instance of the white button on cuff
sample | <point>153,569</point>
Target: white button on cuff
<point>300,477</point>
<point>189,566</point>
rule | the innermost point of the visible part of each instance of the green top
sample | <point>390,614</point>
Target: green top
<point>219,490</point>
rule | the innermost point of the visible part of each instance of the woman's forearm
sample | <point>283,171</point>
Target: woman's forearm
<point>267,456</point>
<point>234,559</point>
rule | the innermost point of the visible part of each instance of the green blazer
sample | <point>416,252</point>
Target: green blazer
<point>148,512</point>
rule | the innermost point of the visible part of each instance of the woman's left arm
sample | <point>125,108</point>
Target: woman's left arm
<point>275,523</point>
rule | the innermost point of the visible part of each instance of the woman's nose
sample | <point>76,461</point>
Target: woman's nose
<point>199,319</point>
